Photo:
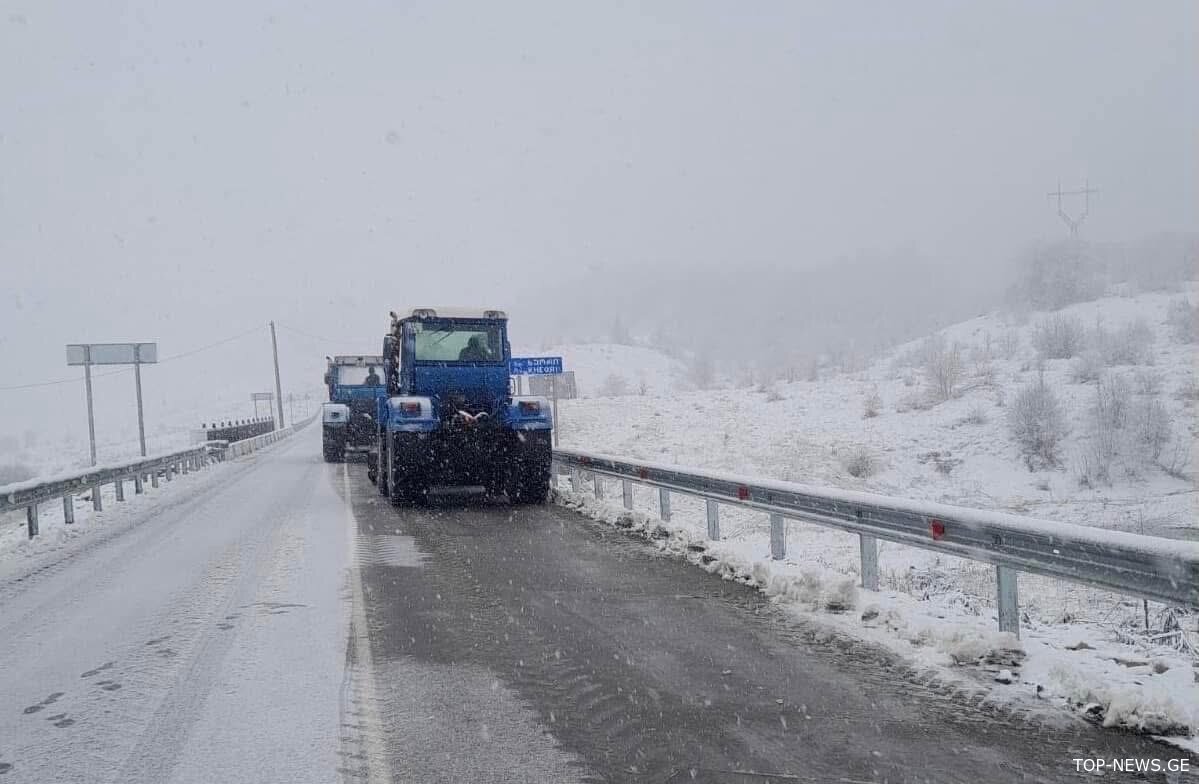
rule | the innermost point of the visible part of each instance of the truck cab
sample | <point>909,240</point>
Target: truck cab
<point>449,417</point>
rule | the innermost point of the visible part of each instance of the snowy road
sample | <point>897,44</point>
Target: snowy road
<point>293,626</point>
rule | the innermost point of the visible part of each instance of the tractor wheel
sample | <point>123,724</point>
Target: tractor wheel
<point>529,480</point>
<point>382,471</point>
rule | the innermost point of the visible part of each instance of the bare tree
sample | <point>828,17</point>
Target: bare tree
<point>942,367</point>
<point>1037,423</point>
<point>1058,336</point>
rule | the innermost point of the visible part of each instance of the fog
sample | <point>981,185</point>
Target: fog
<point>706,172</point>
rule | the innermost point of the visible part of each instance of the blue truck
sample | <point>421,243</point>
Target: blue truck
<point>348,419</point>
<point>449,417</point>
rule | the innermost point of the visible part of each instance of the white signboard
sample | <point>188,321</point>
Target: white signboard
<point>262,396</point>
<point>112,353</point>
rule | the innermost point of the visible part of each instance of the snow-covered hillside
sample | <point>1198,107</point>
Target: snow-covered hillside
<point>960,450</point>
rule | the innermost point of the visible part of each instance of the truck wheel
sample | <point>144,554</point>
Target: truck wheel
<point>372,467</point>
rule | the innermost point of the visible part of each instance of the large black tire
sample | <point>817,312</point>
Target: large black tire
<point>372,468</point>
<point>529,465</point>
<point>382,469</point>
<point>407,480</point>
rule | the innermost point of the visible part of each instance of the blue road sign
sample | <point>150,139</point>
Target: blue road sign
<point>535,366</point>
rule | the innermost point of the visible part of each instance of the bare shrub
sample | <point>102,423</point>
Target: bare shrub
<point>912,401</point>
<point>1112,399</point>
<point>1148,381</point>
<point>860,462</point>
<point>614,386</point>
<point>1152,430</point>
<point>976,416</point>
<point>1188,393</point>
<point>1037,423</point>
<point>1183,319</point>
<point>1177,459</point>
<point>773,395</point>
<point>1131,344</point>
<point>1087,367</point>
<point>942,367</point>
<point>1009,344</point>
<point>872,405</point>
<point>1058,336</point>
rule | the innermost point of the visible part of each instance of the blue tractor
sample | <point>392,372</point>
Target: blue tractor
<point>348,420</point>
<point>449,417</point>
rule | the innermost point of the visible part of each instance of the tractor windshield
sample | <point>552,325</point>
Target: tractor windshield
<point>354,376</point>
<point>458,342</point>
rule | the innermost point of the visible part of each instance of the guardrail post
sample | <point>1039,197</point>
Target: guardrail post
<point>598,481</point>
<point>169,472</point>
<point>1009,600</point>
<point>869,547</point>
<point>31,519</point>
<point>119,485</point>
<point>575,480</point>
<point>713,520</point>
<point>626,490</point>
<point>778,537</point>
<point>664,504</point>
<point>97,501</point>
<point>186,465</point>
<point>68,509</point>
<point>139,486</point>
<point>154,478</point>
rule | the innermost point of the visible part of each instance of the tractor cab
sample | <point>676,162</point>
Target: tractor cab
<point>355,383</point>
<point>449,416</point>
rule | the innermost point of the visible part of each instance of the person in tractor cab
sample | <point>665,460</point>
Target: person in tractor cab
<point>474,351</point>
<point>372,378</point>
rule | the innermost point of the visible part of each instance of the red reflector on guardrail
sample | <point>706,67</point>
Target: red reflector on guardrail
<point>937,529</point>
<point>585,460</point>
<point>743,493</point>
<point>642,473</point>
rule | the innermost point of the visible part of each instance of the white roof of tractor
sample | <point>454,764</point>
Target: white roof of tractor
<point>356,360</point>
<point>451,313</point>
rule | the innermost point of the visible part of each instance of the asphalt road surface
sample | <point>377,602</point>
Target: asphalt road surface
<point>278,621</point>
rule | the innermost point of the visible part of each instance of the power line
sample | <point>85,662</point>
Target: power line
<point>312,336</point>
<point>38,384</point>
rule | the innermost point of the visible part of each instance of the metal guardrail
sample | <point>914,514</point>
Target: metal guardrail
<point>237,431</point>
<point>31,494</point>
<point>1148,567</point>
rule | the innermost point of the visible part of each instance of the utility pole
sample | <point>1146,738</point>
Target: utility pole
<point>1074,223</point>
<point>278,386</point>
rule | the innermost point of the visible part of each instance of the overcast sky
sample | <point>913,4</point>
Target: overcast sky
<point>183,172</point>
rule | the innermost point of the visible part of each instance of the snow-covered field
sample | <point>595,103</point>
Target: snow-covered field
<point>958,451</point>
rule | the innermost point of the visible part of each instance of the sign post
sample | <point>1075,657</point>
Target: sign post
<point>269,397</point>
<point>136,354</point>
<point>539,366</point>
